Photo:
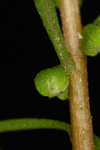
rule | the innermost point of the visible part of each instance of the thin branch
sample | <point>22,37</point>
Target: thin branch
<point>81,120</point>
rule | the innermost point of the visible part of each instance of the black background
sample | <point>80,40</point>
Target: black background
<point>25,49</point>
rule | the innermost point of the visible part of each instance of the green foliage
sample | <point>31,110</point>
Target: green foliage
<point>33,123</point>
<point>52,82</point>
<point>91,40</point>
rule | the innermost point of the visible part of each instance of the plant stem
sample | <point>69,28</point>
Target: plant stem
<point>81,120</point>
<point>33,123</point>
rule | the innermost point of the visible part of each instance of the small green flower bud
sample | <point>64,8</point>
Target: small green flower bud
<point>91,40</point>
<point>52,82</point>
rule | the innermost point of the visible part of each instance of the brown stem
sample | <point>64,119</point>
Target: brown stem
<point>81,120</point>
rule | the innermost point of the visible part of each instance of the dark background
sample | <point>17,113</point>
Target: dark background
<point>25,49</point>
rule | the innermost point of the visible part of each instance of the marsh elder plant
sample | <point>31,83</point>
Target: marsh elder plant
<point>68,80</point>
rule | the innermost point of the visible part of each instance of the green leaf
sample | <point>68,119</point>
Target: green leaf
<point>48,14</point>
<point>39,123</point>
<point>33,123</point>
